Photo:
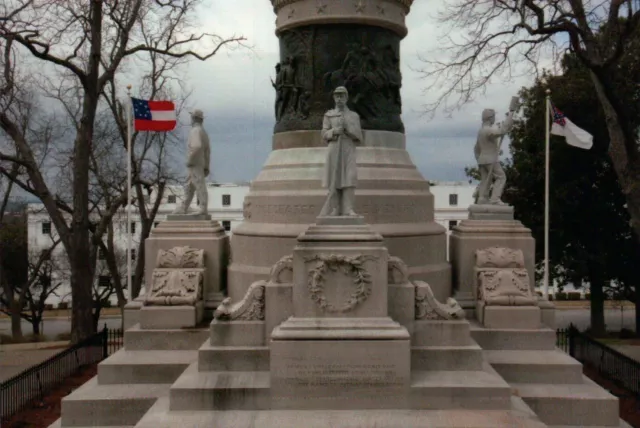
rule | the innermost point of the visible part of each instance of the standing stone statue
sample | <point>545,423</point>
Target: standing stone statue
<point>341,130</point>
<point>197,165</point>
<point>487,152</point>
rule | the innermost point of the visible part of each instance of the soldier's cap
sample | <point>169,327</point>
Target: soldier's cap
<point>488,113</point>
<point>340,90</point>
<point>197,113</point>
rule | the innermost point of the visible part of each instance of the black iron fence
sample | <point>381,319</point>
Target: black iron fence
<point>611,364</point>
<point>35,382</point>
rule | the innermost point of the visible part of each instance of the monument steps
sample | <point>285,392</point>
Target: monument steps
<point>232,358</point>
<point>543,339</point>
<point>144,366</point>
<point>554,367</point>
<point>58,424</point>
<point>109,405</point>
<point>230,390</point>
<point>440,389</point>
<point>468,358</point>
<point>519,416</point>
<point>137,339</point>
<point>584,404</point>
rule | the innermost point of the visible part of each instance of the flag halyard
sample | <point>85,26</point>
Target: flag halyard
<point>158,116</point>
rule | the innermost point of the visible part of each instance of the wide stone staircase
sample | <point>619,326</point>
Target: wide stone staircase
<point>130,381</point>
<point>549,381</point>
<point>462,375</point>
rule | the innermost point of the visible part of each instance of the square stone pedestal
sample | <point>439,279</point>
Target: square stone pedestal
<point>171,317</point>
<point>509,317</point>
<point>197,231</point>
<point>340,363</point>
<point>472,235</point>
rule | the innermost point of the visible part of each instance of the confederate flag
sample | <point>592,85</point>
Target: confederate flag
<point>154,115</point>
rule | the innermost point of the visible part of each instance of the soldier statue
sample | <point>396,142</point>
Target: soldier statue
<point>197,166</point>
<point>341,130</point>
<point>487,153</point>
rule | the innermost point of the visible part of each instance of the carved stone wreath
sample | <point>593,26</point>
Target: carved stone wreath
<point>350,266</point>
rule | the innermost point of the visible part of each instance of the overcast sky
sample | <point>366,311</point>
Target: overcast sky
<point>235,93</point>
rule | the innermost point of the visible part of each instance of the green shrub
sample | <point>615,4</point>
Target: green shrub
<point>63,337</point>
<point>587,296</point>
<point>48,307</point>
<point>106,303</point>
<point>626,333</point>
<point>63,305</point>
<point>561,296</point>
<point>573,295</point>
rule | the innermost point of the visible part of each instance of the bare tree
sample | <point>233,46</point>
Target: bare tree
<point>84,44</point>
<point>494,40</point>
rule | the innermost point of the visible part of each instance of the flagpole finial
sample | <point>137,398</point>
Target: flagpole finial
<point>548,92</point>
<point>129,89</point>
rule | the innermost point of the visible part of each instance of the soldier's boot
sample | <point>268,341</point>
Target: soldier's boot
<point>348,197</point>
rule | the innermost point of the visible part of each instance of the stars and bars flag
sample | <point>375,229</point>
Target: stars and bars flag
<point>563,127</point>
<point>159,116</point>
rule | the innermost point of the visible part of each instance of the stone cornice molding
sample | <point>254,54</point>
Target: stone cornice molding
<point>388,14</point>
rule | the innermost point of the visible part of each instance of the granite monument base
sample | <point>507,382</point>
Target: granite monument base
<point>171,317</point>
<point>472,235</point>
<point>340,364</point>
<point>197,231</point>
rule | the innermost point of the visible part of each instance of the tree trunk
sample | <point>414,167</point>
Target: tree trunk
<point>35,325</point>
<point>596,281</point>
<point>82,325</point>
<point>637,304</point>
<point>16,320</point>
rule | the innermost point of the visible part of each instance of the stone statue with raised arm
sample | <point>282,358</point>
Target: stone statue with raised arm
<point>487,153</point>
<point>341,131</point>
<point>198,153</point>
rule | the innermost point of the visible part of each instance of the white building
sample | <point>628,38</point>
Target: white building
<point>225,205</point>
<point>452,201</point>
<point>226,201</point>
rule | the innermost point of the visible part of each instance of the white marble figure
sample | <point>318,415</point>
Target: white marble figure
<point>198,153</point>
<point>341,130</point>
<point>487,152</point>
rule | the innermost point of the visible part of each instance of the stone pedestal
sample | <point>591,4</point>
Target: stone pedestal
<point>471,235</point>
<point>197,231</point>
<point>490,212</point>
<point>171,317</point>
<point>335,351</point>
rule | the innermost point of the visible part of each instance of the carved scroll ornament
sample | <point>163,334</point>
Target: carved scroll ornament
<point>178,278</point>
<point>282,271</point>
<point>502,278</point>
<point>427,307</point>
<point>250,308</point>
<point>180,257</point>
<point>397,271</point>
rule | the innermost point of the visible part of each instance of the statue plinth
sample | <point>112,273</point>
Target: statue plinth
<point>340,334</point>
<point>197,231</point>
<point>490,212</point>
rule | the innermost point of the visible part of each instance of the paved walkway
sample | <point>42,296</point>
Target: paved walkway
<point>14,361</point>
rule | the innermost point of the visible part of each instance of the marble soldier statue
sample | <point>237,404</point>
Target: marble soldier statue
<point>198,153</point>
<point>341,130</point>
<point>487,153</point>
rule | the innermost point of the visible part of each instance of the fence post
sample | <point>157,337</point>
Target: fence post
<point>571,338</point>
<point>105,342</point>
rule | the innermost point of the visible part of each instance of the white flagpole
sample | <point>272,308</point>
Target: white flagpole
<point>546,195</point>
<point>128,109</point>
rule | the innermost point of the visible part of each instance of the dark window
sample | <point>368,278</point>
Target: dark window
<point>104,281</point>
<point>452,224</point>
<point>101,254</point>
<point>133,254</point>
<point>453,199</point>
<point>133,227</point>
<point>226,200</point>
<point>46,228</point>
<point>226,224</point>
<point>171,199</point>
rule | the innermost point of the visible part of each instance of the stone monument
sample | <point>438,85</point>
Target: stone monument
<point>363,39</point>
<point>341,130</point>
<point>339,321</point>
<point>198,158</point>
<point>196,230</point>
